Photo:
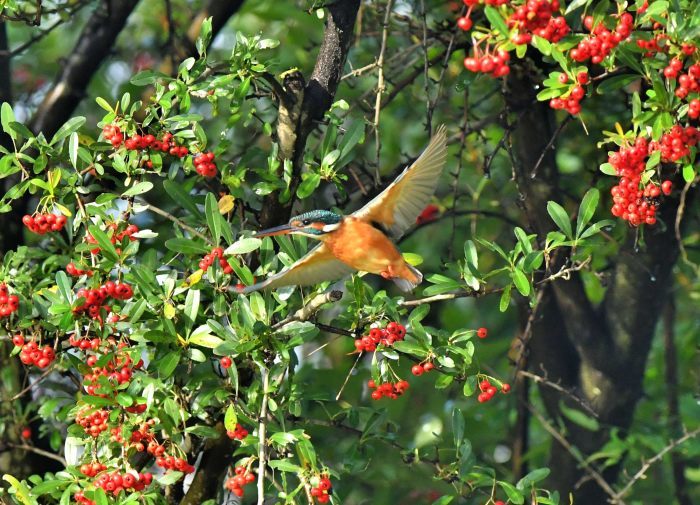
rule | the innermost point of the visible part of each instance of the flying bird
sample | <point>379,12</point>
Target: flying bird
<point>363,240</point>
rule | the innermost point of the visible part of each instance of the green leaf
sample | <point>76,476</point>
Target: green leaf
<point>73,144</point>
<point>104,104</point>
<point>572,7</point>
<point>542,45</point>
<point>578,417</point>
<point>505,299</point>
<point>7,116</point>
<point>515,496</point>
<point>21,491</point>
<point>496,19</point>
<point>230,419</point>
<point>211,209</point>
<point>103,241</point>
<point>64,285</point>
<point>560,217</point>
<point>443,500</point>
<point>70,126</point>
<point>284,465</point>
<point>616,82</point>
<point>191,309</point>
<point>138,188</point>
<point>309,183</point>
<point>244,246</point>
<point>181,197</point>
<point>531,478</point>
<point>167,364</point>
<point>521,281</point>
<point>608,169</point>
<point>457,426</point>
<point>100,497</point>
<point>203,338</point>
<point>186,246</point>
<point>586,209</point>
<point>171,477</point>
<point>124,399</point>
<point>688,173</point>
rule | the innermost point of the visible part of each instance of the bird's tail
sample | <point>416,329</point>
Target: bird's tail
<point>406,284</point>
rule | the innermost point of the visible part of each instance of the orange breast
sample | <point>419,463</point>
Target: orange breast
<point>362,246</point>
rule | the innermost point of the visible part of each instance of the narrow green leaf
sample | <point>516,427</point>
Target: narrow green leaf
<point>191,308</point>
<point>73,144</point>
<point>138,189</point>
<point>505,298</point>
<point>496,19</point>
<point>181,197</point>
<point>103,241</point>
<point>515,496</point>
<point>70,126</point>
<point>586,209</point>
<point>560,217</point>
<point>186,246</point>
<point>521,281</point>
<point>230,419</point>
<point>531,478</point>
<point>211,209</point>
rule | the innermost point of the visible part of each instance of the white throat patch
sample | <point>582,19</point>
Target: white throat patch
<point>330,227</point>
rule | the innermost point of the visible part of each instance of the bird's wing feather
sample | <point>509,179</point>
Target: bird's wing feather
<point>316,266</point>
<point>397,207</point>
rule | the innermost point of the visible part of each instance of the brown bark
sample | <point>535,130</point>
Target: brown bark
<point>300,108</point>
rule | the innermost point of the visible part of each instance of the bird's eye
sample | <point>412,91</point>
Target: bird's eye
<point>306,222</point>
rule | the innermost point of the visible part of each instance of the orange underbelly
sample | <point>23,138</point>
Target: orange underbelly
<point>363,247</point>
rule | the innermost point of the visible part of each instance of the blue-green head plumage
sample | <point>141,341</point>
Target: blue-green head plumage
<point>310,221</point>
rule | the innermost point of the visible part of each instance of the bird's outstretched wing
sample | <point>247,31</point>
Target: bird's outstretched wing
<point>397,207</point>
<point>316,266</point>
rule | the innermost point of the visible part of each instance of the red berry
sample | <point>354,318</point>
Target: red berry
<point>505,387</point>
<point>417,370</point>
<point>464,23</point>
<point>482,332</point>
<point>666,187</point>
<point>26,433</point>
<point>226,362</point>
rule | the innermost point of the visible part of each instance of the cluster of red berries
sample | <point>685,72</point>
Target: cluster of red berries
<point>92,469</point>
<point>493,64</point>
<point>601,41</point>
<point>116,482</point>
<point>216,253</point>
<point>73,270</point>
<point>173,463</point>
<point>95,298</point>
<point>242,478</point>
<point>653,45</point>
<point>422,368</point>
<point>204,164</point>
<point>129,231</point>
<point>238,434</point>
<point>32,354</point>
<point>676,143</point>
<point>44,223</point>
<point>323,490</point>
<point>536,17</point>
<point>165,144</point>
<point>393,332</point>
<point>118,370</point>
<point>688,82</point>
<point>629,201</point>
<point>694,108</point>
<point>387,389</point>
<point>488,390</point>
<point>93,422</point>
<point>571,101</point>
<point>428,214</point>
<point>113,134</point>
<point>141,439</point>
<point>8,303</point>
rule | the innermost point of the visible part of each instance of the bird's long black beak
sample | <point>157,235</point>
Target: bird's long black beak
<point>277,230</point>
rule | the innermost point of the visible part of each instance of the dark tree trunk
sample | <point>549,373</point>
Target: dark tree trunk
<point>598,353</point>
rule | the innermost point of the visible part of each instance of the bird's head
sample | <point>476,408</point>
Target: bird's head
<point>314,224</point>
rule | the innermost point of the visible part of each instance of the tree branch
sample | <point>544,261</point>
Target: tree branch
<point>311,101</point>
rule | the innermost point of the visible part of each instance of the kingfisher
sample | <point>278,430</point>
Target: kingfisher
<point>364,240</point>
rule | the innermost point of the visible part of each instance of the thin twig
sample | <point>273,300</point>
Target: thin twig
<point>40,452</point>
<point>566,120</point>
<point>545,381</point>
<point>381,86</point>
<point>617,497</point>
<point>574,453</point>
<point>309,309</point>
<point>178,222</point>
<point>262,427</point>
<point>30,386</point>
<point>679,218</point>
